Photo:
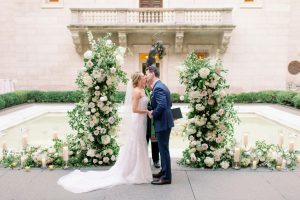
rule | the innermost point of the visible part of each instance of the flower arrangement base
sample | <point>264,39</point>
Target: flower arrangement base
<point>236,166</point>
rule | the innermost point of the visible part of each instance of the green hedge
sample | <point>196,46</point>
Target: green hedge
<point>288,98</point>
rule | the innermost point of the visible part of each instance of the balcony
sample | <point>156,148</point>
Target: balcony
<point>146,17</point>
<point>125,21</point>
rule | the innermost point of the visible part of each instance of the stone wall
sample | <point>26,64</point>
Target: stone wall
<point>37,51</point>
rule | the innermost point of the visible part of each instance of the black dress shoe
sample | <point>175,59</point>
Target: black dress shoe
<point>156,164</point>
<point>158,175</point>
<point>161,182</point>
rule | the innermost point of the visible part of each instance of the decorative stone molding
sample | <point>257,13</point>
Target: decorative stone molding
<point>225,41</point>
<point>179,41</point>
<point>122,39</point>
<point>77,42</point>
<point>200,48</point>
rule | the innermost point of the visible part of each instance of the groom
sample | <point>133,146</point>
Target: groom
<point>163,122</point>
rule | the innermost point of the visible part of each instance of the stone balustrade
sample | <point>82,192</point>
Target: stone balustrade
<point>150,16</point>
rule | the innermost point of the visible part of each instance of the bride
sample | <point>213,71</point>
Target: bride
<point>132,166</point>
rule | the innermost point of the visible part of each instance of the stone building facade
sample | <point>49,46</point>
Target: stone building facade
<point>42,41</point>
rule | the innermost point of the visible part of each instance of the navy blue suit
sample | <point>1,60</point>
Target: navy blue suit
<point>163,122</point>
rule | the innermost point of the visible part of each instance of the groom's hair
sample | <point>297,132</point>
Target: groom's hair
<point>153,69</point>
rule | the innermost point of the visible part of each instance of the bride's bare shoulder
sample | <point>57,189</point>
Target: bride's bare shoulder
<point>136,92</point>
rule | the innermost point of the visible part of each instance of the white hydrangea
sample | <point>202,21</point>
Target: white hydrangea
<point>91,153</point>
<point>97,74</point>
<point>192,150</point>
<point>88,54</point>
<point>120,60</point>
<point>87,80</point>
<point>110,151</point>
<point>209,161</point>
<point>105,139</point>
<point>109,43</point>
<point>204,72</point>
<point>224,164</point>
<point>222,93</point>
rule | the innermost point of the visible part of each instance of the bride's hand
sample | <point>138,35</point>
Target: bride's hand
<point>150,114</point>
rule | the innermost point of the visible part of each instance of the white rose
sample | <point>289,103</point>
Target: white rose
<point>200,107</point>
<point>100,162</point>
<point>97,88</point>
<point>214,117</point>
<point>204,146</point>
<point>193,157</point>
<point>97,93</point>
<point>210,102</point>
<point>85,160</point>
<point>95,161</point>
<point>106,159</point>
<point>103,98</point>
<point>90,63</point>
<point>221,112</point>
<point>113,158</point>
<point>181,98</point>
<point>209,161</point>
<point>204,72</point>
<point>88,54</point>
<point>225,164</point>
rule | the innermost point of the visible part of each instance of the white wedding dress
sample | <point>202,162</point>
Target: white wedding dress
<point>131,167</point>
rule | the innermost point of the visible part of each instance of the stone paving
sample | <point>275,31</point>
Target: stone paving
<point>187,184</point>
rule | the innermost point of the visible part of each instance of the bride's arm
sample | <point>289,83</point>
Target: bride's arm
<point>135,103</point>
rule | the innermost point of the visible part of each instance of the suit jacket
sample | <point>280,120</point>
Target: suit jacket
<point>161,104</point>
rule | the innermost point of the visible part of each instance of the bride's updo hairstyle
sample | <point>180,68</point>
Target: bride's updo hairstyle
<point>135,78</point>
